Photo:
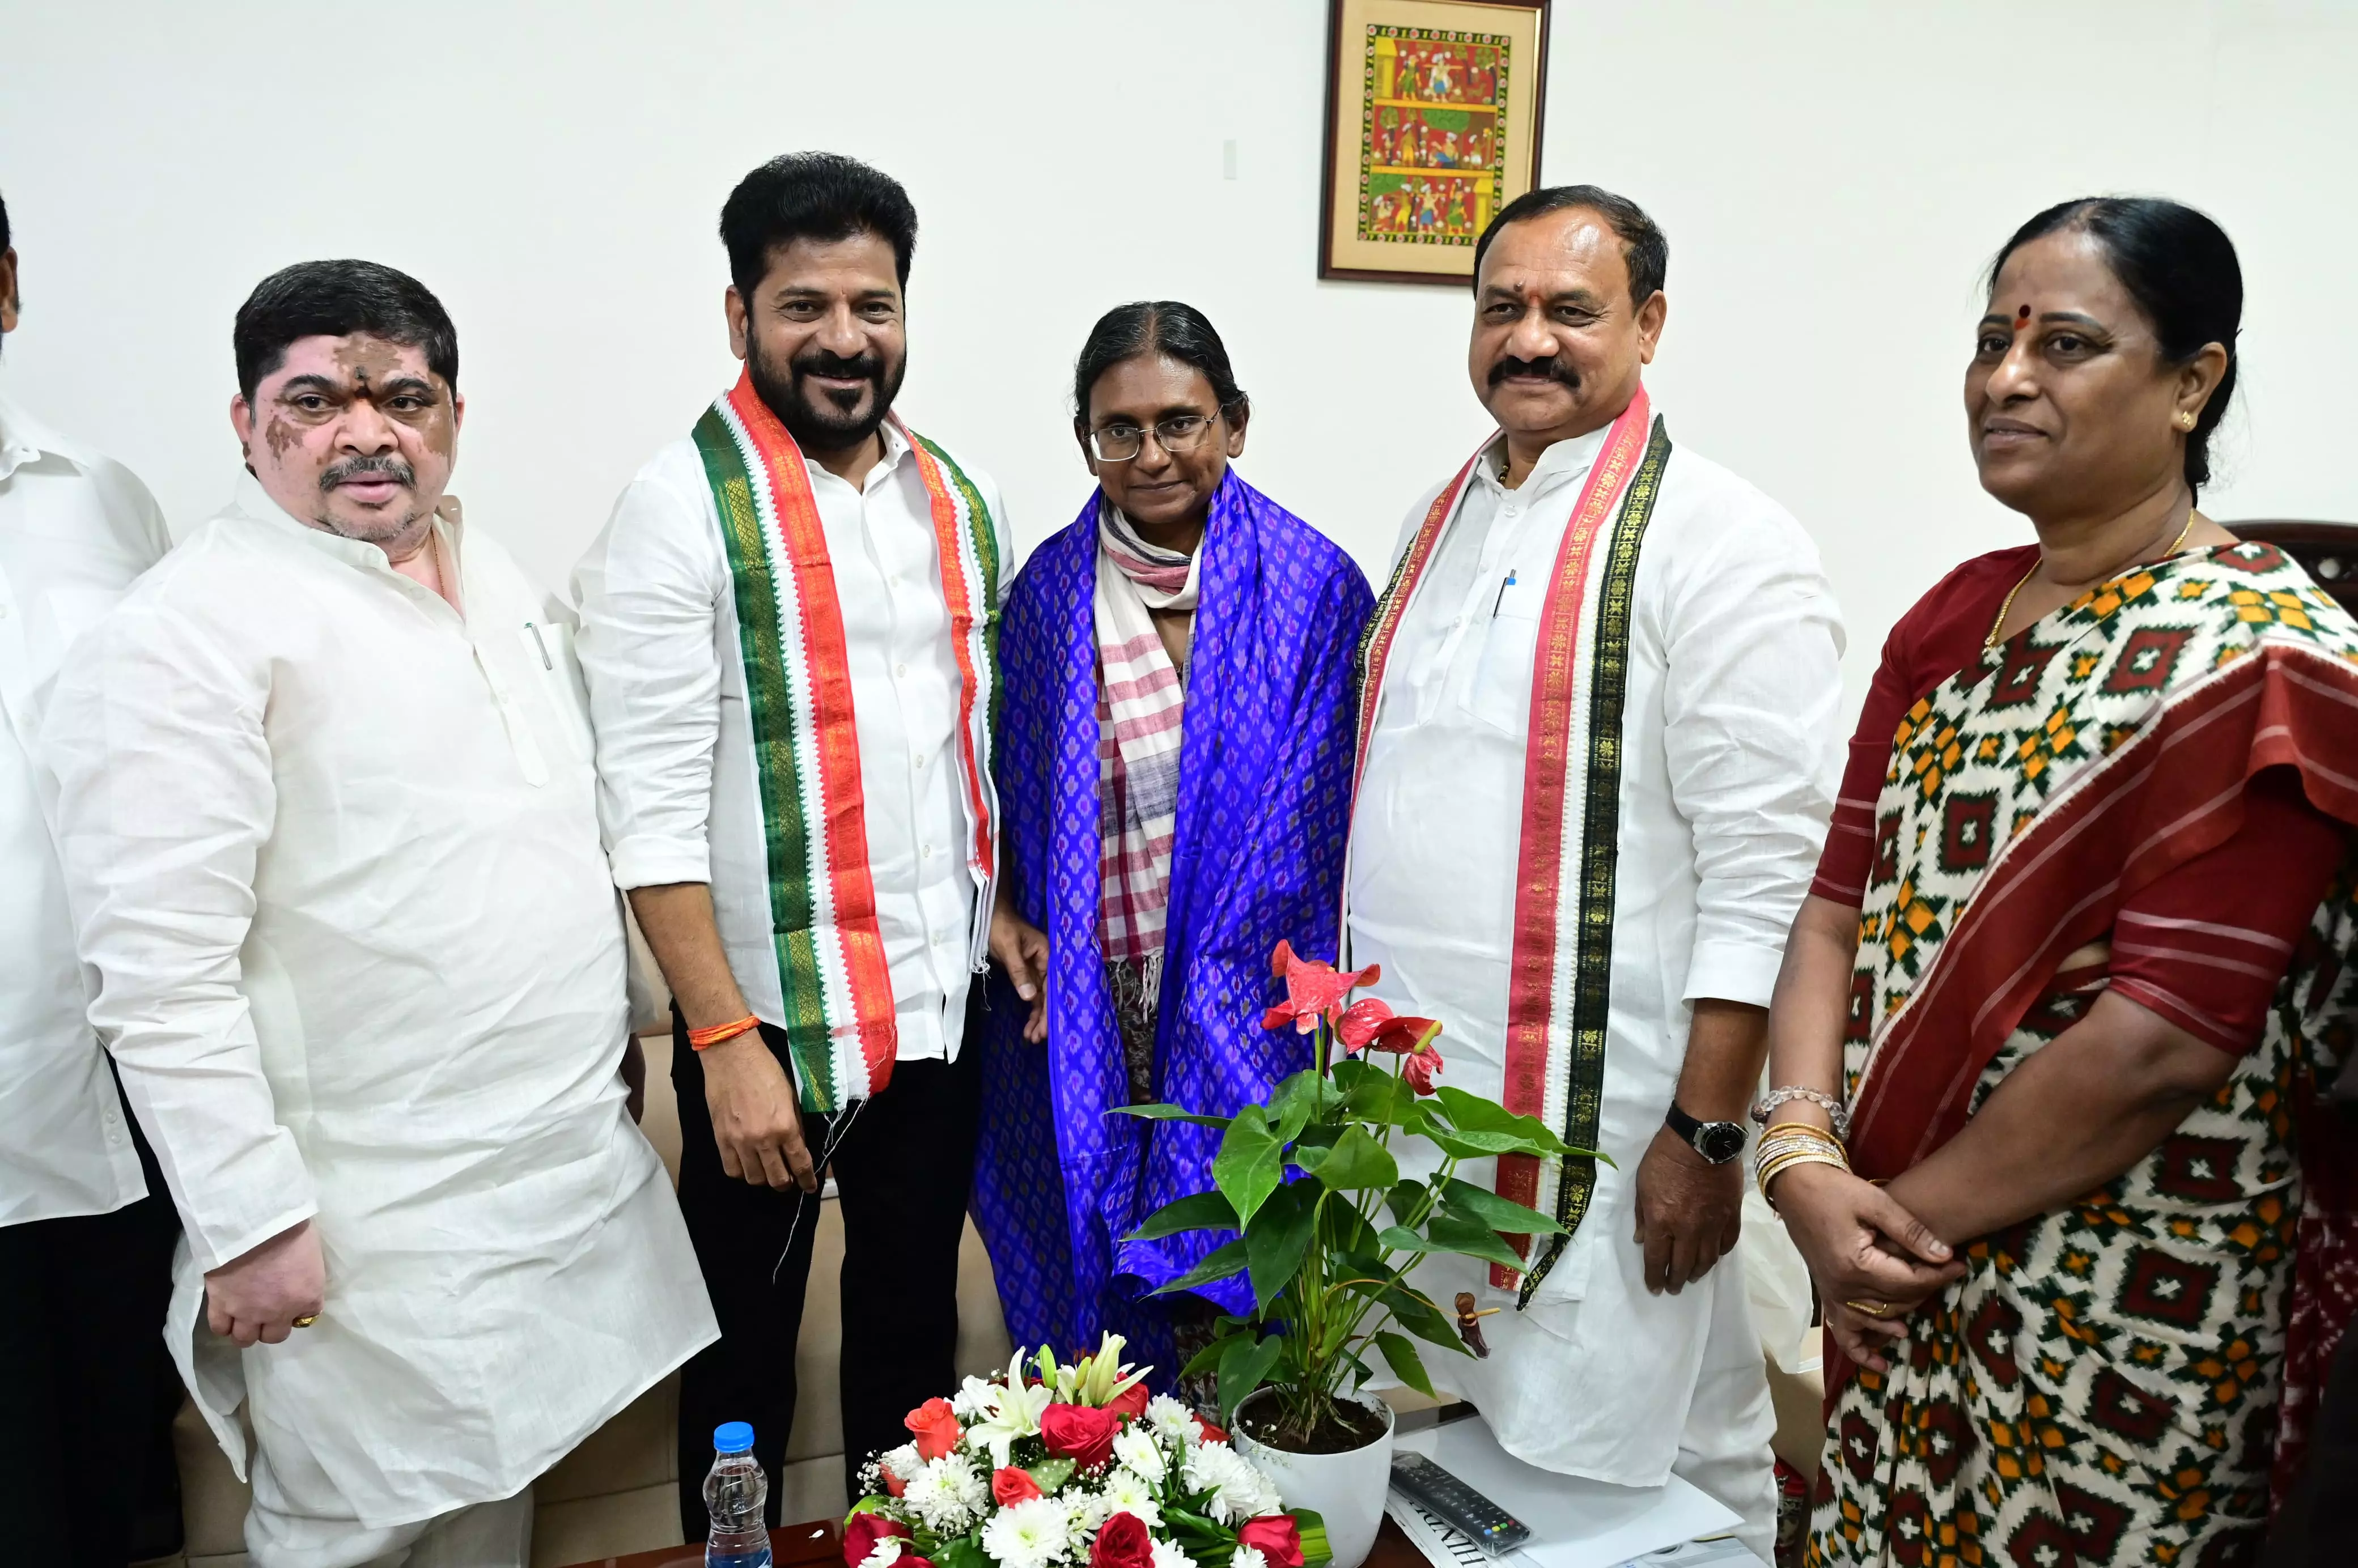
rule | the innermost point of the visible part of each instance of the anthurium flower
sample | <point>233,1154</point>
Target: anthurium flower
<point>1420,1067</point>
<point>1372,1025</point>
<point>1313,989</point>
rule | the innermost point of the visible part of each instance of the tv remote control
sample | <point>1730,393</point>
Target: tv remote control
<point>1458,1504</point>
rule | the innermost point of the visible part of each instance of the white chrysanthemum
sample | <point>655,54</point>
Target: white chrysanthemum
<point>1128,1492</point>
<point>886,1552</point>
<point>1032,1534</point>
<point>1239,1491</point>
<point>1247,1557</point>
<point>902,1463</point>
<point>972,1399</point>
<point>1171,1554</point>
<point>1136,1449</point>
<point>947,1495</point>
<point>1173,1421</point>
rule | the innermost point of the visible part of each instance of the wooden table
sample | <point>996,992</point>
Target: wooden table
<point>820,1542</point>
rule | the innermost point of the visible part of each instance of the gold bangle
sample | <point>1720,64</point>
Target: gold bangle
<point>1805,1128</point>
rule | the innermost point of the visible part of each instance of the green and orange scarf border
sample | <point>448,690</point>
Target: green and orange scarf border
<point>832,973</point>
<point>1560,971</point>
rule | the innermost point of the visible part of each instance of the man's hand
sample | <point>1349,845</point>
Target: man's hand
<point>754,1119</point>
<point>634,1077</point>
<point>254,1298</point>
<point>1688,1211</point>
<point>1021,949</point>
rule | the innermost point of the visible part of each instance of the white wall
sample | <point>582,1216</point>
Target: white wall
<point>1832,173</point>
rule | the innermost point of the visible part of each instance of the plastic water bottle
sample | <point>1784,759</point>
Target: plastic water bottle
<point>734,1492</point>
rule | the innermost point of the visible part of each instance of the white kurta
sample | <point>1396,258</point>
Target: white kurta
<point>1729,750</point>
<point>333,851</point>
<point>74,530</point>
<point>679,792</point>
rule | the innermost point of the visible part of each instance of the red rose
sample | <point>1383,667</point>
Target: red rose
<point>1014,1485</point>
<point>1208,1433</point>
<point>936,1428</point>
<point>1130,1403</point>
<point>1275,1537</point>
<point>893,1485</point>
<point>1122,1542</point>
<point>862,1531</point>
<point>1080,1433</point>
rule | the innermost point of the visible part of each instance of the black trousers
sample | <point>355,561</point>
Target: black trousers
<point>903,1171</point>
<point>87,1389</point>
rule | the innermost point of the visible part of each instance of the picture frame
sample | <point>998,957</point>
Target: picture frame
<point>1434,112</point>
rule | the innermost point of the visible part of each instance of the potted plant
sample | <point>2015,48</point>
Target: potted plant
<point>1328,1228</point>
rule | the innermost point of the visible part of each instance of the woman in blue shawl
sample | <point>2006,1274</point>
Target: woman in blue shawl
<point>1174,775</point>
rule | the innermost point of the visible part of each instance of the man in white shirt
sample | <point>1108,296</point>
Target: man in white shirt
<point>328,820</point>
<point>86,1232</point>
<point>788,627</point>
<point>1596,742</point>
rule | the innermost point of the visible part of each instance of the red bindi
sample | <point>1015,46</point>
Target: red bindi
<point>2022,317</point>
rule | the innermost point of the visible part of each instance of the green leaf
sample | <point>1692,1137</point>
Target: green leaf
<point>1278,1237</point>
<point>1244,1367</point>
<point>1217,1264</point>
<point>1357,1161</point>
<point>1380,1097</point>
<point>1198,1211</point>
<point>1400,1238</point>
<point>1404,1200</point>
<point>1250,1165</point>
<point>1427,1322</point>
<point>1298,1101</point>
<point>1208,1357</point>
<point>1169,1113</point>
<point>1447,1232</point>
<point>1050,1474</point>
<point>1316,1552</point>
<point>1472,1113</point>
<point>967,1551</point>
<point>1399,1355</point>
<point>1500,1214</point>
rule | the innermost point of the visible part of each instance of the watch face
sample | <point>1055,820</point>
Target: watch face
<point>1719,1142</point>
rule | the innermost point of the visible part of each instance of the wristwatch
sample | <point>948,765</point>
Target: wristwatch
<point>1717,1141</point>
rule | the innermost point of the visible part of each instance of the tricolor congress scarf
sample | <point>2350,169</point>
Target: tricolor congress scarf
<point>1141,697</point>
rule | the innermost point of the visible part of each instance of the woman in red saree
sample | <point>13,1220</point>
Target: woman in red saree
<point>2076,967</point>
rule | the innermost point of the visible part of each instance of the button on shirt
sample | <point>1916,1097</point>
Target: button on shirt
<point>679,795</point>
<point>75,528</point>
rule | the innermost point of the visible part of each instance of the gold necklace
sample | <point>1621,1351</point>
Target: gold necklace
<point>2006,608</point>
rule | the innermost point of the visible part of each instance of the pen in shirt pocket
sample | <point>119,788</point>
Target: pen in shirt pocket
<point>536,643</point>
<point>1502,593</point>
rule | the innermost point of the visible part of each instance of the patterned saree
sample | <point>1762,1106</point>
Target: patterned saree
<point>2102,1386</point>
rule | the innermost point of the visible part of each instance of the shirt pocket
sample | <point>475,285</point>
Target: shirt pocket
<point>548,656</point>
<point>1500,694</point>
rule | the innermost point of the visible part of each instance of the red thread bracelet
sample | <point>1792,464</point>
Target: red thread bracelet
<point>699,1039</point>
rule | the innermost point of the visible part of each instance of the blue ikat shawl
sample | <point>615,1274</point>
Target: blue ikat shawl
<point>1264,805</point>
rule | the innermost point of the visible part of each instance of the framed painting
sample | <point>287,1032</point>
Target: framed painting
<point>1433,124</point>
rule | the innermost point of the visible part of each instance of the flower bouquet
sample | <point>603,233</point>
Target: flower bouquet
<point>1075,1465</point>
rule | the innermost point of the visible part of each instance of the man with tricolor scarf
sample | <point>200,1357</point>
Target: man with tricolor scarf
<point>1597,732</point>
<point>789,632</point>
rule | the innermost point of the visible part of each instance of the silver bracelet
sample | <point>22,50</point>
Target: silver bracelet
<point>1839,1112</point>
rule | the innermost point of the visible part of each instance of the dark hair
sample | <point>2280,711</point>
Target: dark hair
<point>334,299</point>
<point>813,195</point>
<point>4,224</point>
<point>2180,268</point>
<point>1645,249</point>
<point>1163,327</point>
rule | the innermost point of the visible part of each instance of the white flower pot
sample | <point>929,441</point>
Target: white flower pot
<point>1346,1489</point>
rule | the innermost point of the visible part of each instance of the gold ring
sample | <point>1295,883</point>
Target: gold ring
<point>306,1322</point>
<point>1881,1310</point>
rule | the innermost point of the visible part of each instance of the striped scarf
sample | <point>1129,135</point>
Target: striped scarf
<point>1141,697</point>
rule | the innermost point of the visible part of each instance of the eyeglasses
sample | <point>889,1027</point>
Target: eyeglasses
<point>1120,443</point>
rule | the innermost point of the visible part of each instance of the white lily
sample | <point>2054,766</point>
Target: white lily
<point>1011,1411</point>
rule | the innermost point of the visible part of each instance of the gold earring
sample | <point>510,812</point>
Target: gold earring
<point>2185,420</point>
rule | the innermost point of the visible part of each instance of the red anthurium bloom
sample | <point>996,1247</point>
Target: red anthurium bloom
<point>1420,1067</point>
<point>1276,1537</point>
<point>1313,989</point>
<point>1371,1024</point>
<point>862,1531</point>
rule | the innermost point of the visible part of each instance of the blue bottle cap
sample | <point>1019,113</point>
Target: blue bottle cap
<point>733,1437</point>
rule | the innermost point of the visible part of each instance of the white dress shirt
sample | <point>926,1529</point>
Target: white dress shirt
<point>75,528</point>
<point>679,792</point>
<point>1730,750</point>
<point>334,849</point>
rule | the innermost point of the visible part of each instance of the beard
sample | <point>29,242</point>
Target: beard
<point>375,531</point>
<point>828,421</point>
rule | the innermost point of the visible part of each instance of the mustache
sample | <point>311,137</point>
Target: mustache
<point>1552,368</point>
<point>820,362</point>
<point>385,463</point>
